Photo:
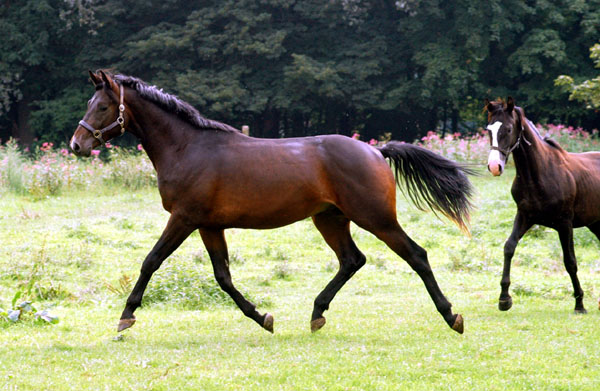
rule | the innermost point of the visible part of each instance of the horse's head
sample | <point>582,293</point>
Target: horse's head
<point>105,116</point>
<point>505,127</point>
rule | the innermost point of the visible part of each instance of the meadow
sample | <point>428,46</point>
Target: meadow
<point>73,246</point>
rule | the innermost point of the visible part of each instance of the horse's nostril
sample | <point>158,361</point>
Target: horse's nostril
<point>76,147</point>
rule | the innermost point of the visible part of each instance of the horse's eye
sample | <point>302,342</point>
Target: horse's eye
<point>103,108</point>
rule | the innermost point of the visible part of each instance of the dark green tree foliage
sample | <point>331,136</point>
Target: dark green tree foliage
<point>40,41</point>
<point>295,68</point>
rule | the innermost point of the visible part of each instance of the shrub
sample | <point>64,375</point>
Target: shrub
<point>132,170</point>
<point>473,148</point>
<point>185,284</point>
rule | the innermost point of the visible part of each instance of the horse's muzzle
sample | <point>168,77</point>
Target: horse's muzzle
<point>79,149</point>
<point>495,163</point>
<point>495,168</point>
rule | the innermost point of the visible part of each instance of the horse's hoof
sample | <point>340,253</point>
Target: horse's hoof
<point>580,311</point>
<point>317,324</point>
<point>459,325</point>
<point>505,304</point>
<point>268,322</point>
<point>125,324</point>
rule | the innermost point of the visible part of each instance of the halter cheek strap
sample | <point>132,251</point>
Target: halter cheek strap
<point>120,121</point>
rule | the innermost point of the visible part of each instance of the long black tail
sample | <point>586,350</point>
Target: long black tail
<point>432,180</point>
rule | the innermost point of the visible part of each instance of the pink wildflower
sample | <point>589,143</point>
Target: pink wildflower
<point>95,152</point>
<point>139,147</point>
<point>372,142</point>
<point>46,146</point>
<point>356,136</point>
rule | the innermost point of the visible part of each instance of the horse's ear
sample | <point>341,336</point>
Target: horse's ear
<point>488,105</point>
<point>520,115</point>
<point>510,104</point>
<point>94,78</point>
<point>105,78</point>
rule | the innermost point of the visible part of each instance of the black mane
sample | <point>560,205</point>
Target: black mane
<point>172,104</point>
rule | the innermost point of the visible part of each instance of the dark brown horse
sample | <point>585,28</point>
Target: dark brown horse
<point>212,177</point>
<point>553,187</point>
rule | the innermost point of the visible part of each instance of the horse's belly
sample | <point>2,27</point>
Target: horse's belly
<point>258,210</point>
<point>261,216</point>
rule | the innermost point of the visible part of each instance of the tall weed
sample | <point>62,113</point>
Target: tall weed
<point>11,168</point>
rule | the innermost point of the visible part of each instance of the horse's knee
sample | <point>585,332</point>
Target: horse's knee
<point>150,264</point>
<point>224,281</point>
<point>509,248</point>
<point>570,266</point>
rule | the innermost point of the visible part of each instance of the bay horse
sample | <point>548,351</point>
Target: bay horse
<point>552,187</point>
<point>212,177</point>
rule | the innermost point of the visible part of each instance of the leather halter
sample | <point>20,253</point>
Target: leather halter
<point>507,152</point>
<point>120,121</point>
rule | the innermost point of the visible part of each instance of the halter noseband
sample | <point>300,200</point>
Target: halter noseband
<point>120,121</point>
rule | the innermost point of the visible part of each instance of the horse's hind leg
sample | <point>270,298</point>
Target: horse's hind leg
<point>214,240</point>
<point>565,234</point>
<point>335,228</point>
<point>393,235</point>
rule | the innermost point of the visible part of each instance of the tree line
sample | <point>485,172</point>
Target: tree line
<point>300,67</point>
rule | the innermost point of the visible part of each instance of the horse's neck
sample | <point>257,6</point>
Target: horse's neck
<point>166,137</point>
<point>160,133</point>
<point>531,157</point>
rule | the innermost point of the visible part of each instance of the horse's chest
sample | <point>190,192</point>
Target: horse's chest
<point>544,204</point>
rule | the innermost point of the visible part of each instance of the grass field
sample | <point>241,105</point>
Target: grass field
<point>79,253</point>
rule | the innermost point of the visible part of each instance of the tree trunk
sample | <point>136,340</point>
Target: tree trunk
<point>20,126</point>
<point>454,121</point>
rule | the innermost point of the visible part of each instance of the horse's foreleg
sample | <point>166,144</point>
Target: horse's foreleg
<point>520,227</point>
<point>565,234</point>
<point>214,240</point>
<point>335,228</point>
<point>173,235</point>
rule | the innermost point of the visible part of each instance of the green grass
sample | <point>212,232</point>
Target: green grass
<point>81,253</point>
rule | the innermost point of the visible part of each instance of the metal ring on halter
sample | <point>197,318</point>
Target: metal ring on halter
<point>120,121</point>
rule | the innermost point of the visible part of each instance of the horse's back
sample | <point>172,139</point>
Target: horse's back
<point>585,168</point>
<point>266,183</point>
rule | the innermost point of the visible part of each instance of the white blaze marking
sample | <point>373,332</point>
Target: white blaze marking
<point>494,128</point>
<point>494,156</point>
